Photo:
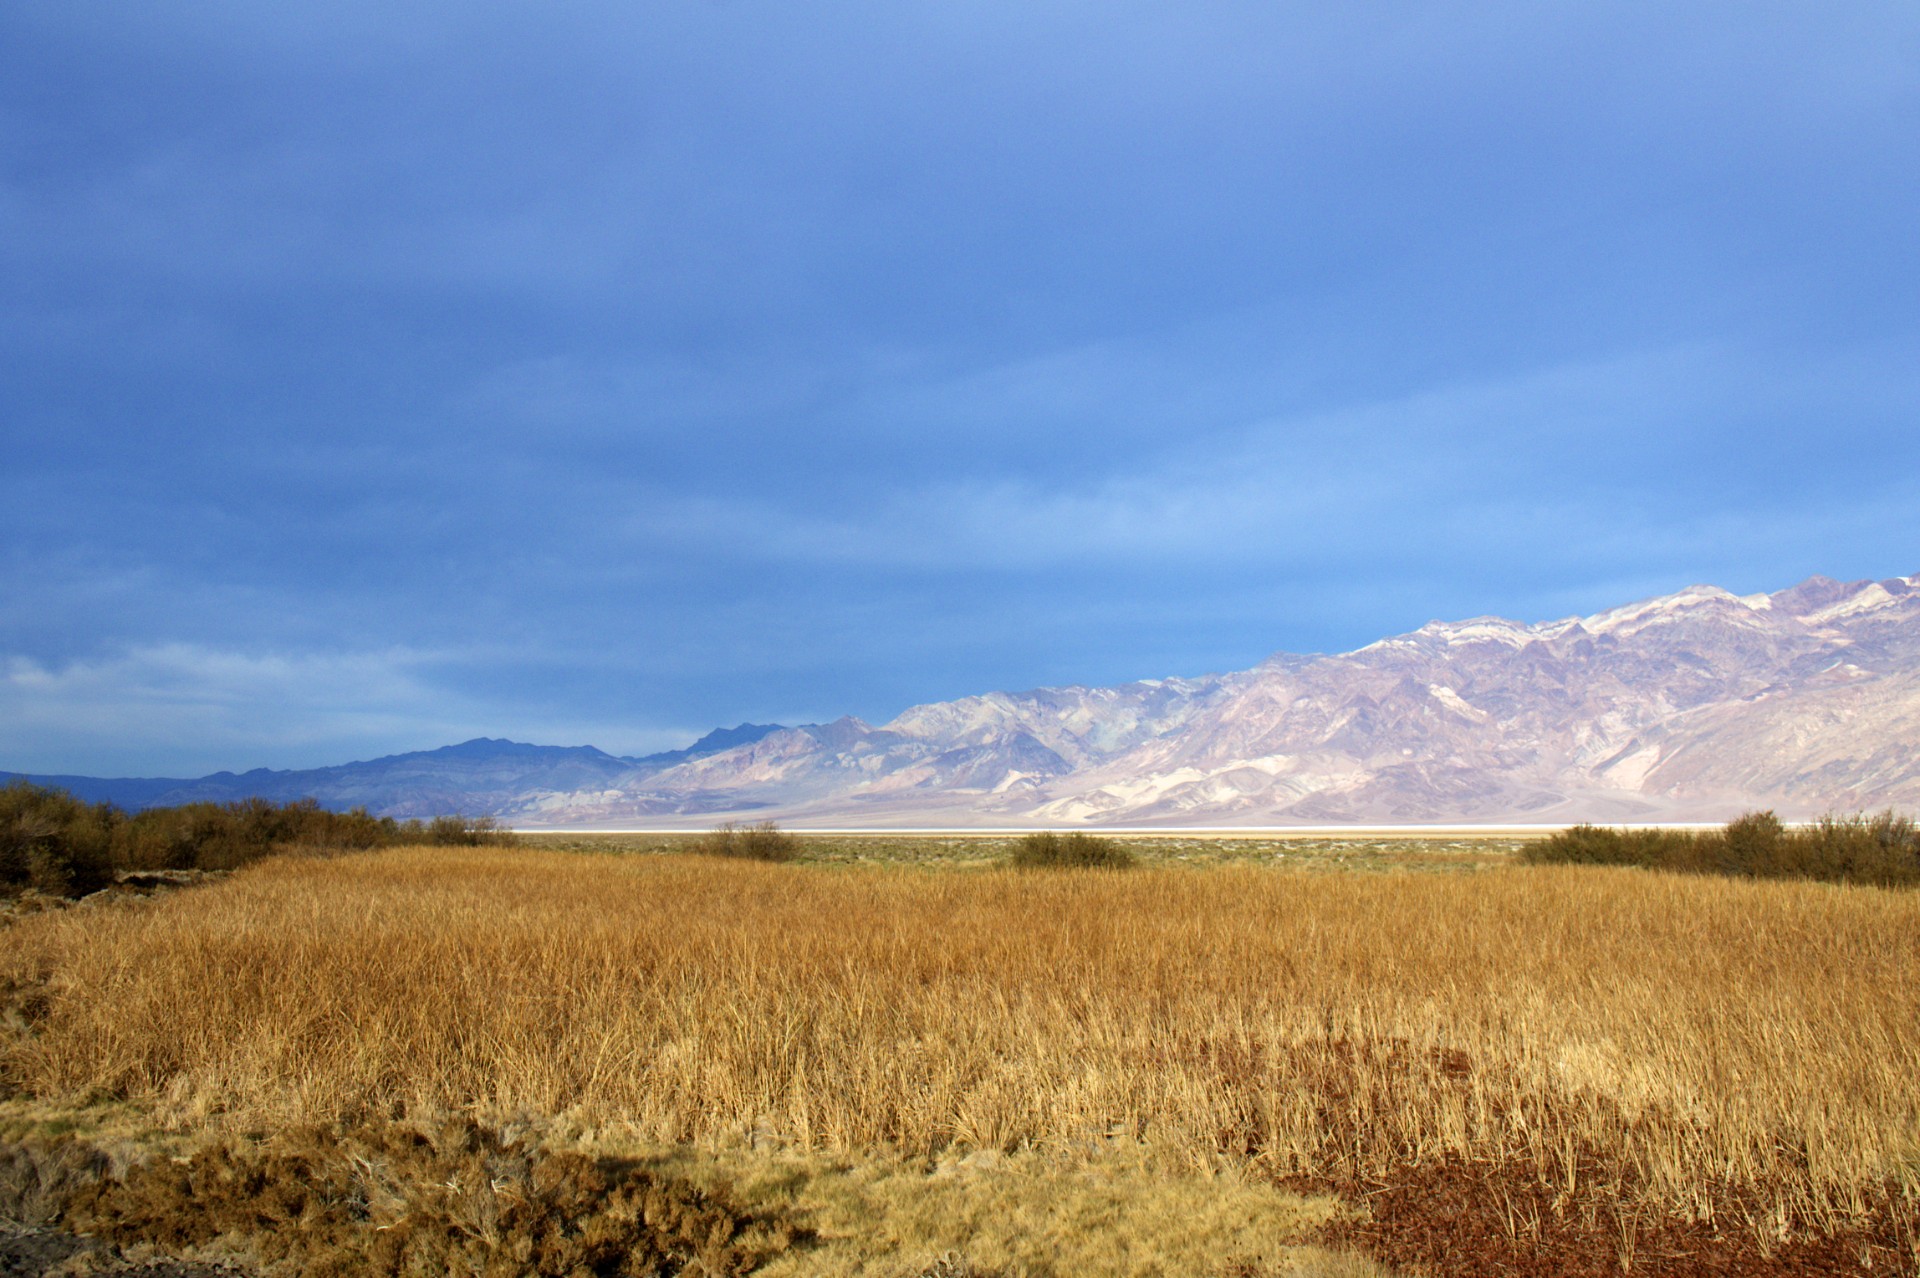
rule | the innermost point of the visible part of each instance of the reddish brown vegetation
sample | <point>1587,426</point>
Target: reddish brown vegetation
<point>1471,1219</point>
<point>394,1199</point>
<point>1583,1213</point>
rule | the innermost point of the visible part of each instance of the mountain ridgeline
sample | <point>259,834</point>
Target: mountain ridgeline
<point>1695,706</point>
<point>484,775</point>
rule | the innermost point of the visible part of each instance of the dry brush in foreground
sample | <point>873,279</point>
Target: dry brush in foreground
<point>1637,1049</point>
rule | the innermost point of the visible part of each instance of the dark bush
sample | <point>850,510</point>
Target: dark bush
<point>53,842</point>
<point>1883,849</point>
<point>1603,845</point>
<point>225,836</point>
<point>763,841</point>
<point>1578,845</point>
<point>1046,848</point>
<point>58,844</point>
<point>1755,845</point>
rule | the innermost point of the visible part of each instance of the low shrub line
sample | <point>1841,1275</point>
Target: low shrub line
<point>1044,849</point>
<point>63,846</point>
<point>1882,849</point>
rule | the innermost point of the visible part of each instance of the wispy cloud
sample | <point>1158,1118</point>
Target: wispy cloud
<point>1599,451</point>
<point>184,708</point>
<point>181,705</point>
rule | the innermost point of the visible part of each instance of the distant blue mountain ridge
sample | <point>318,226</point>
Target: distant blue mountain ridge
<point>473,778</point>
<point>1694,706</point>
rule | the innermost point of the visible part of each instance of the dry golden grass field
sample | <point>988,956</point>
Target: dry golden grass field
<point>1217,1066</point>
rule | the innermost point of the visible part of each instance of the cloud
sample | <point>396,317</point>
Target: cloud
<point>178,705</point>
<point>373,376</point>
<point>1610,452</point>
<point>174,708</point>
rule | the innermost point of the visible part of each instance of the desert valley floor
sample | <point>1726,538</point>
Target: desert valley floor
<point>896,1056</point>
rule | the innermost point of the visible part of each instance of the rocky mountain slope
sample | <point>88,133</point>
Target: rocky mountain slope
<point>1696,705</point>
<point>1693,706</point>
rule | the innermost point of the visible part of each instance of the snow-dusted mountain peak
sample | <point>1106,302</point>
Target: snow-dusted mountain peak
<point>1818,595</point>
<point>1871,597</point>
<point>1667,609</point>
<point>1512,634</point>
<point>1696,705</point>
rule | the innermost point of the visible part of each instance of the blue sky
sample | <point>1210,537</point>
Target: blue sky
<point>376,376</point>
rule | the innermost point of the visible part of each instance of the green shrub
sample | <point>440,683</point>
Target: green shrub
<point>1046,848</point>
<point>763,841</point>
<point>1883,849</point>
<point>1603,845</point>
<point>1755,845</point>
<point>1580,845</point>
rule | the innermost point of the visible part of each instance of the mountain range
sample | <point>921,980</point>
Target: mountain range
<point>484,775</point>
<point>1696,705</point>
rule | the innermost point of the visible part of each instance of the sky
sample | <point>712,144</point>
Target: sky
<point>377,376</point>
